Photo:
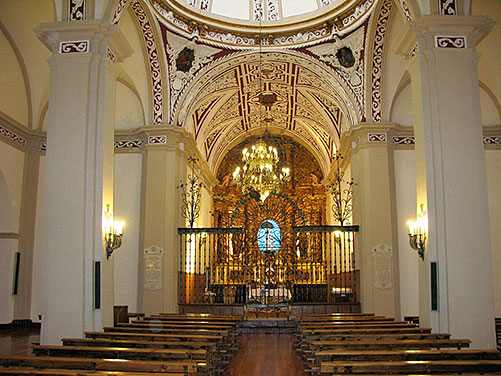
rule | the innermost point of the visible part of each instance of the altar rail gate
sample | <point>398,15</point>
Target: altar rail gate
<point>312,264</point>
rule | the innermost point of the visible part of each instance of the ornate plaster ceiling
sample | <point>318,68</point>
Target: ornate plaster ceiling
<point>237,24</point>
<point>226,108</point>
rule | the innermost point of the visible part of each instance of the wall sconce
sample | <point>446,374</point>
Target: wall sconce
<point>113,232</point>
<point>417,232</point>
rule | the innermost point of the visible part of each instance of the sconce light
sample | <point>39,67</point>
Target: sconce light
<point>112,232</point>
<point>417,232</point>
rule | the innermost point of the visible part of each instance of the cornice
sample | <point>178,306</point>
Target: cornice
<point>424,32</point>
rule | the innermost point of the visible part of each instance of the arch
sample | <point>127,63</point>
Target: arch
<point>220,134</point>
<point>126,81</point>
<point>273,130</point>
<point>291,202</point>
<point>492,97</point>
<point>148,27</point>
<point>24,72</point>
<point>405,81</point>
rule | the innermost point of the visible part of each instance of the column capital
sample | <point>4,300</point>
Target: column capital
<point>442,32</point>
<point>166,136</point>
<point>369,134</point>
<point>86,36</point>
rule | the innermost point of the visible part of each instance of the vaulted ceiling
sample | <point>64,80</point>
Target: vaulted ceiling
<point>226,108</point>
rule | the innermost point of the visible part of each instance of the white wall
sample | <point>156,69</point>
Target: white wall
<point>127,205</point>
<point>405,186</point>
<point>493,165</point>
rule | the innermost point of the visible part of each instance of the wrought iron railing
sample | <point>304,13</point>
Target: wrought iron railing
<point>309,264</point>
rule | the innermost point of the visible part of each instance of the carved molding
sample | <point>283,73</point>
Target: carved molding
<point>74,47</point>
<point>118,11</point>
<point>450,42</point>
<point>76,10</point>
<point>154,62</point>
<point>377,60</point>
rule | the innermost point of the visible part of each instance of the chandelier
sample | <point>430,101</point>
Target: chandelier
<point>260,174</point>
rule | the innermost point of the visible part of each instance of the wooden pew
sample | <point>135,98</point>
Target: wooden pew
<point>16,371</point>
<point>375,336</point>
<point>407,367</point>
<point>155,337</point>
<point>389,344</point>
<point>375,324</point>
<point>359,330</point>
<point>167,324</point>
<point>132,343</point>
<point>193,367</point>
<point>405,355</point>
<point>120,353</point>
<point>166,330</point>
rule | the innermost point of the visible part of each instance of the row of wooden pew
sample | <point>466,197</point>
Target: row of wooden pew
<point>365,344</point>
<point>165,344</point>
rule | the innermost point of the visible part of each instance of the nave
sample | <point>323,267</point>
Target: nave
<point>201,344</point>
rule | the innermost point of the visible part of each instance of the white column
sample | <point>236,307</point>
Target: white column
<point>374,210</point>
<point>451,176</point>
<point>79,176</point>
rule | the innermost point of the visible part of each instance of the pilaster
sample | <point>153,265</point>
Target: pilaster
<point>79,176</point>
<point>164,167</point>
<point>374,210</point>
<point>451,177</point>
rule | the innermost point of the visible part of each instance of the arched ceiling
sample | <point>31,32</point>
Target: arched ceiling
<point>225,107</point>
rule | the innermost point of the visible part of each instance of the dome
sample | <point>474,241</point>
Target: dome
<point>282,22</point>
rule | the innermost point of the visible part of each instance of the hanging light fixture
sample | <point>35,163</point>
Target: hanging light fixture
<point>260,174</point>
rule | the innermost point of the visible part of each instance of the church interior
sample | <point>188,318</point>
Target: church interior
<point>294,171</point>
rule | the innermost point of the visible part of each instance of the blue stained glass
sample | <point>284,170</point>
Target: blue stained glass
<point>268,236</point>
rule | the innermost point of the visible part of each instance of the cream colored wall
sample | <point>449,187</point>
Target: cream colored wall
<point>489,65</point>
<point>490,114</point>
<point>11,166</point>
<point>129,113</point>
<point>20,18</point>
<point>136,68</point>
<point>493,164</point>
<point>394,66</point>
<point>401,112</point>
<point>13,100</point>
<point>11,175</point>
<point>405,187</point>
<point>127,202</point>
<point>36,290</point>
<point>7,250</point>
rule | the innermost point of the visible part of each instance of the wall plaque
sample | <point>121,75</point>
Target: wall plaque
<point>153,268</point>
<point>383,265</point>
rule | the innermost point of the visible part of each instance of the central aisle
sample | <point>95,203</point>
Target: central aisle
<point>266,355</point>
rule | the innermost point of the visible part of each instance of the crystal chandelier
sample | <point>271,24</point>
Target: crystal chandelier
<point>260,174</point>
